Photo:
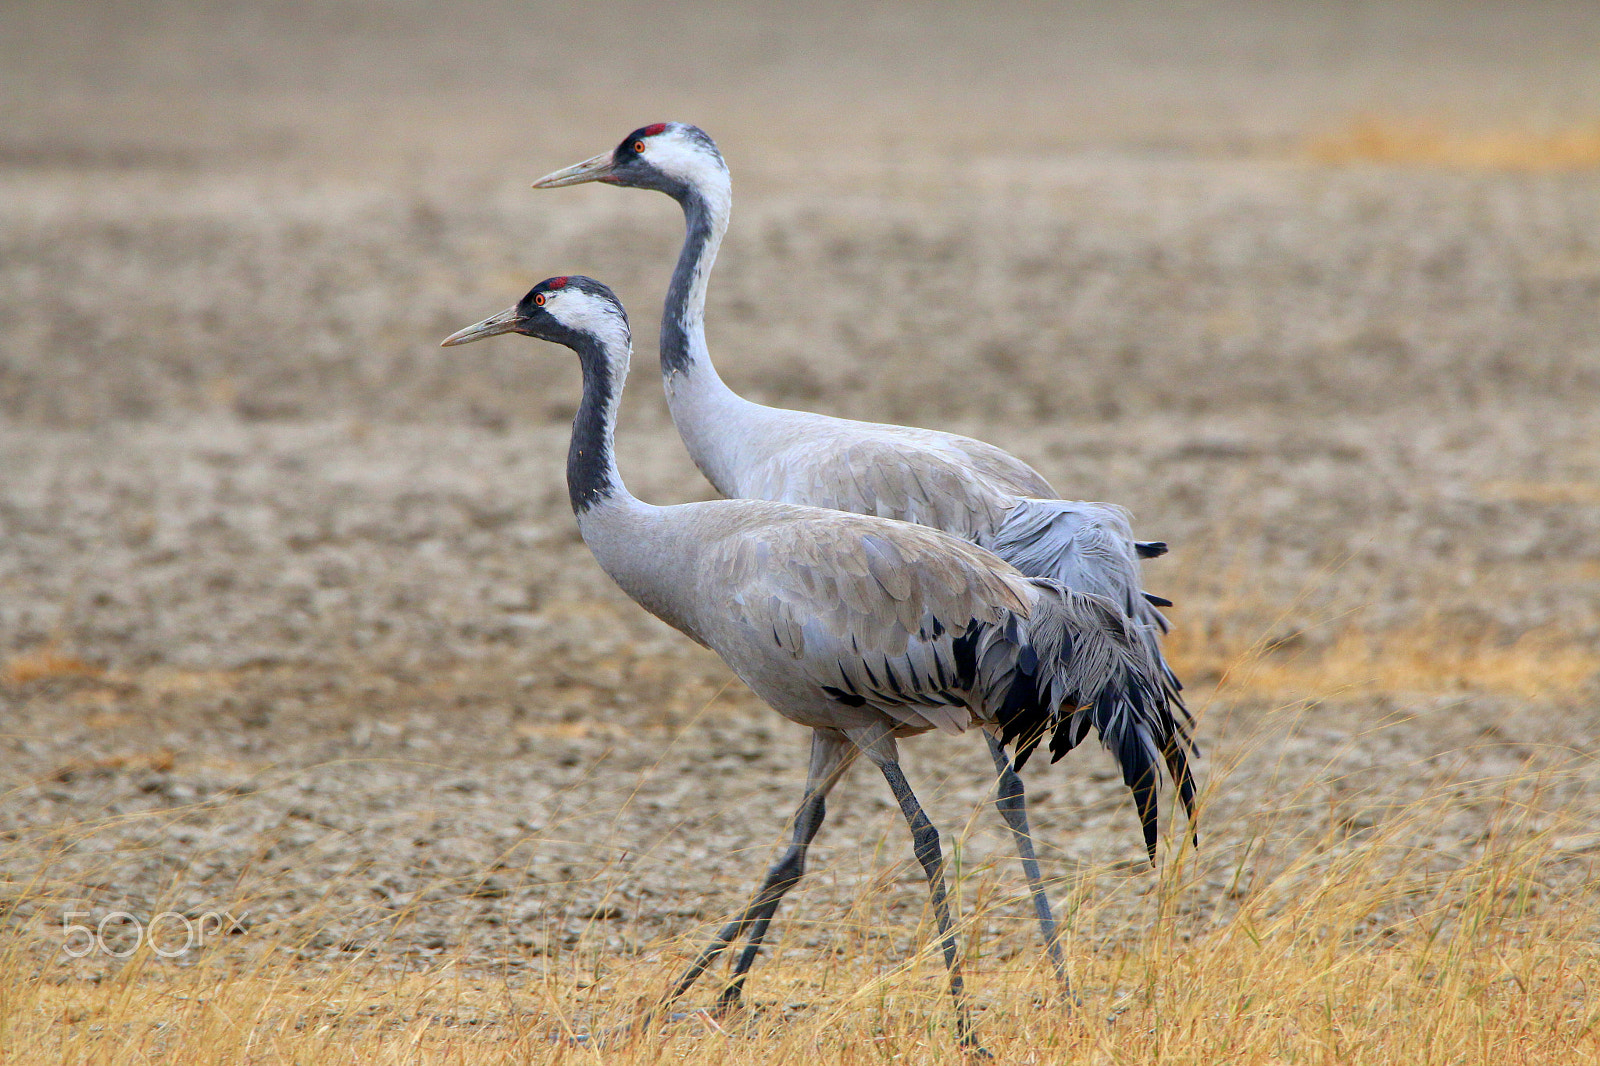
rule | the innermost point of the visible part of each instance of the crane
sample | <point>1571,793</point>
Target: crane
<point>950,482</point>
<point>864,629</point>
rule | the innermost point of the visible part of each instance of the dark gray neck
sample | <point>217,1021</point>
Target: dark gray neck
<point>682,316</point>
<point>591,465</point>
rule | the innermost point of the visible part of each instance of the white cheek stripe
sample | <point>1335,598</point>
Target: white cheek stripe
<point>579,310</point>
<point>683,159</point>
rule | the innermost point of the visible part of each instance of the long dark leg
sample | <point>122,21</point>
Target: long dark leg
<point>880,748</point>
<point>831,755</point>
<point>784,876</point>
<point>1012,804</point>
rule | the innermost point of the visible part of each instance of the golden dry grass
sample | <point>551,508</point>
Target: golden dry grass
<point>1301,934</point>
<point>1349,945</point>
<point>1307,930</point>
<point>1427,657</point>
<point>43,663</point>
<point>1433,143</point>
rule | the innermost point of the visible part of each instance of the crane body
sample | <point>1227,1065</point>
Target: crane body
<point>946,481</point>
<point>865,630</point>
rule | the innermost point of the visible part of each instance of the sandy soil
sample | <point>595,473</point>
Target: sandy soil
<point>294,618</point>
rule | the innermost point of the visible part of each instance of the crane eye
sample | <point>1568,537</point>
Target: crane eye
<point>638,146</point>
<point>538,299</point>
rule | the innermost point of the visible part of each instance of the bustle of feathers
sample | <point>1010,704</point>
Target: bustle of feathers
<point>937,633</point>
<point>1136,711</point>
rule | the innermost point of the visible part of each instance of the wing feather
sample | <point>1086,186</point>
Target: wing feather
<point>894,472</point>
<point>867,610</point>
<point>937,633</point>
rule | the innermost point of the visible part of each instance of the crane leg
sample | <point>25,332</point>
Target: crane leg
<point>878,743</point>
<point>782,877</point>
<point>1012,803</point>
<point>831,755</point>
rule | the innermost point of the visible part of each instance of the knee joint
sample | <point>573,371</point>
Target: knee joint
<point>788,871</point>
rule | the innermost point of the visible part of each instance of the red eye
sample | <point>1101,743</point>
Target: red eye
<point>638,146</point>
<point>538,299</point>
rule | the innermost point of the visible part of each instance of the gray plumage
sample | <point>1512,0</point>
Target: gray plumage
<point>864,629</point>
<point>949,482</point>
<point>946,481</point>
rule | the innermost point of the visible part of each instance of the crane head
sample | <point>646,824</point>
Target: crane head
<point>566,310</point>
<point>670,157</point>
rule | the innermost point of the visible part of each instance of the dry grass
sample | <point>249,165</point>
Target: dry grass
<point>1428,657</point>
<point>1419,142</point>
<point>1303,932</point>
<point>1446,918</point>
<point>1325,948</point>
<point>44,663</point>
<point>1451,919</point>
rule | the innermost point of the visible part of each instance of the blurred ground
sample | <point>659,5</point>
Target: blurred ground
<point>293,616</point>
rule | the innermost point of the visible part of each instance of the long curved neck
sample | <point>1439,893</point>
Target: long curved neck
<point>710,416</point>
<point>632,541</point>
<point>706,206</point>
<point>592,477</point>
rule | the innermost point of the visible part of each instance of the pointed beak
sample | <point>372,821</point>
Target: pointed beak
<point>596,169</point>
<point>505,322</point>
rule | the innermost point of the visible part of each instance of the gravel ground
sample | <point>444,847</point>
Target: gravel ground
<point>294,615</point>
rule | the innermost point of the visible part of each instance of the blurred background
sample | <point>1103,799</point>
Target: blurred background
<point>1313,288</point>
<point>216,206</point>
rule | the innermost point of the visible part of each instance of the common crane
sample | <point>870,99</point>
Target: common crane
<point>950,482</point>
<point>865,630</point>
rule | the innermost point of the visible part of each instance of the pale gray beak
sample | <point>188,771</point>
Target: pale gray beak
<point>494,325</point>
<point>596,169</point>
